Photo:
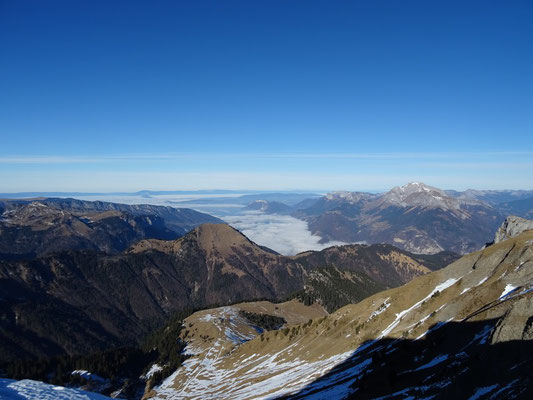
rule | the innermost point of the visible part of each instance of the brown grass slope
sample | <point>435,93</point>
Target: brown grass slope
<point>451,329</point>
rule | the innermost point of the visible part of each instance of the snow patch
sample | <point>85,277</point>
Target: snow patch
<point>439,288</point>
<point>34,390</point>
<point>435,361</point>
<point>508,289</point>
<point>381,308</point>
<point>438,325</point>
<point>87,375</point>
<point>482,391</point>
<point>153,369</point>
<point>482,281</point>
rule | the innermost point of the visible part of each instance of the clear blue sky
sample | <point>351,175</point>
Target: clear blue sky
<point>128,95</point>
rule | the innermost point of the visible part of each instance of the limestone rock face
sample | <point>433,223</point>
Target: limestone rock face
<point>512,226</point>
<point>516,324</point>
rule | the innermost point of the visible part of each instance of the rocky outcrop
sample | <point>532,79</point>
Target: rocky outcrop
<point>269,207</point>
<point>511,227</point>
<point>516,324</point>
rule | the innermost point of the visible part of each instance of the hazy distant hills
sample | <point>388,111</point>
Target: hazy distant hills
<point>492,197</point>
<point>97,300</point>
<point>36,227</point>
<point>416,217</point>
<point>287,198</point>
<point>269,207</point>
<point>522,208</point>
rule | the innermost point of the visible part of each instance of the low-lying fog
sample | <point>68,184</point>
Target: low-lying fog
<point>285,234</point>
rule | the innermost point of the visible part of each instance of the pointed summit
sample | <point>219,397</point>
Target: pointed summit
<point>221,236</point>
<point>219,239</point>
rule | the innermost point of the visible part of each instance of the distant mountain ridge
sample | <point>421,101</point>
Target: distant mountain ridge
<point>492,197</point>
<point>36,227</point>
<point>522,207</point>
<point>269,207</point>
<point>416,217</point>
<point>180,220</point>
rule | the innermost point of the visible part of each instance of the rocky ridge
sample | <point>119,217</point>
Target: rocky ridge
<point>461,331</point>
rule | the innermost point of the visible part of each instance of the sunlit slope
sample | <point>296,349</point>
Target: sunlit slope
<point>490,290</point>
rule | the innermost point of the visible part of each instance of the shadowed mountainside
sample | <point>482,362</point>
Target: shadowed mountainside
<point>30,228</point>
<point>80,301</point>
<point>452,362</point>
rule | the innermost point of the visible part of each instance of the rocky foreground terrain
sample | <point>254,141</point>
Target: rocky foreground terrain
<point>464,331</point>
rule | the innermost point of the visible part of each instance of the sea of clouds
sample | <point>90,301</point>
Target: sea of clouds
<point>285,234</point>
<point>282,233</point>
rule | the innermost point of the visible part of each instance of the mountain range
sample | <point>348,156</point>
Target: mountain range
<point>415,217</point>
<point>30,228</point>
<point>464,331</point>
<point>350,321</point>
<point>100,300</point>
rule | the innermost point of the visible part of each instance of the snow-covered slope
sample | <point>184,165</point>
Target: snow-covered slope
<point>213,334</point>
<point>33,390</point>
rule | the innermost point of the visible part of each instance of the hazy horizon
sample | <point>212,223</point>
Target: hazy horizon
<point>191,193</point>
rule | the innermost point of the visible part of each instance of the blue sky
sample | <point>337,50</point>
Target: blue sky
<point>318,95</point>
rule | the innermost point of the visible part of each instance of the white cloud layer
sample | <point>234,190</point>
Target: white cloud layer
<point>285,234</point>
<point>282,233</point>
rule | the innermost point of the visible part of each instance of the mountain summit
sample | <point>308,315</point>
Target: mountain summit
<point>210,238</point>
<point>418,194</point>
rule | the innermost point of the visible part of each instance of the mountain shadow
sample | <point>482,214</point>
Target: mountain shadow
<point>82,301</point>
<point>455,360</point>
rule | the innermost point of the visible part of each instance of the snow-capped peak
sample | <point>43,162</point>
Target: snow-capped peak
<point>413,187</point>
<point>350,197</point>
<point>421,195</point>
